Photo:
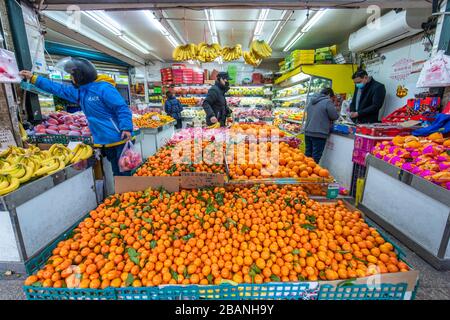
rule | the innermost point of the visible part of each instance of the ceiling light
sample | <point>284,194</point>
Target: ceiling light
<point>134,44</point>
<point>211,25</point>
<point>293,41</point>
<point>161,28</point>
<point>262,18</point>
<point>314,20</point>
<point>104,20</point>
<point>285,17</point>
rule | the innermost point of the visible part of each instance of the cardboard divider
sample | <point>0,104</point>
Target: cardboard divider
<point>194,180</point>
<point>128,184</point>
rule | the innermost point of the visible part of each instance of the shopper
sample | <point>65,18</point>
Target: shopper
<point>109,117</point>
<point>215,103</point>
<point>368,98</point>
<point>173,108</point>
<point>320,114</point>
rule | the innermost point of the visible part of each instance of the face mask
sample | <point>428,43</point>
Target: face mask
<point>360,85</point>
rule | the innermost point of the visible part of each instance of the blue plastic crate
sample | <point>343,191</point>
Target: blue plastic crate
<point>363,292</point>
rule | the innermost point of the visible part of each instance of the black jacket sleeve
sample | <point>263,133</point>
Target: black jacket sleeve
<point>209,101</point>
<point>353,103</point>
<point>377,102</point>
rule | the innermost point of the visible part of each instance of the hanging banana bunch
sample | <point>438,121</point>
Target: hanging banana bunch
<point>232,53</point>
<point>208,52</point>
<point>260,49</point>
<point>185,52</point>
<point>250,59</point>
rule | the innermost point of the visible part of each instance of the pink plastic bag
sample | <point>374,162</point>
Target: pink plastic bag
<point>130,158</point>
<point>435,72</point>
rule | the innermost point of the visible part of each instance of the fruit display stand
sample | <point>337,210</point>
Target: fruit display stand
<point>38,212</point>
<point>155,138</point>
<point>389,286</point>
<point>337,157</point>
<point>414,210</point>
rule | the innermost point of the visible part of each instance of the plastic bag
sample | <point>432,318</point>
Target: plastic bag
<point>130,158</point>
<point>9,72</point>
<point>435,72</point>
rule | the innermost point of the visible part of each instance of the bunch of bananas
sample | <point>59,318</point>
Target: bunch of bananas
<point>260,49</point>
<point>208,52</point>
<point>185,52</point>
<point>232,53</point>
<point>18,165</point>
<point>250,59</point>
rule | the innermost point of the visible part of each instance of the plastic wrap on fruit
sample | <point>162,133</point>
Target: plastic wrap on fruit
<point>446,185</point>
<point>393,149</point>
<point>386,158</point>
<point>396,161</point>
<point>398,141</point>
<point>416,170</point>
<point>130,159</point>
<point>426,174</point>
<point>444,166</point>
<point>408,166</point>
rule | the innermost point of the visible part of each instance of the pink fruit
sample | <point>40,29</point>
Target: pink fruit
<point>54,116</point>
<point>64,131</point>
<point>53,128</point>
<point>72,127</point>
<point>50,131</point>
<point>74,133</point>
<point>63,127</point>
<point>39,127</point>
<point>52,121</point>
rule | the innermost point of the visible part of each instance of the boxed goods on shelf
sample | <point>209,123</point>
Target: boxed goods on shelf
<point>314,275</point>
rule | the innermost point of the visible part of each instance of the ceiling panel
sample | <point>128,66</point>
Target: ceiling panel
<point>334,28</point>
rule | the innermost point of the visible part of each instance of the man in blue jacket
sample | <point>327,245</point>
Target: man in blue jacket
<point>173,108</point>
<point>109,117</point>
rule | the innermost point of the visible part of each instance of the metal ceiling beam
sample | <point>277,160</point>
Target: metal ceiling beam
<point>161,16</point>
<point>250,4</point>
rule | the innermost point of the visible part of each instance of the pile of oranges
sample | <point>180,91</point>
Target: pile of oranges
<point>255,130</point>
<point>247,235</point>
<point>152,120</point>
<point>289,163</point>
<point>163,163</point>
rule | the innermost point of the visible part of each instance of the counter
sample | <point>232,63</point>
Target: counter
<point>414,210</point>
<point>337,158</point>
<point>40,211</point>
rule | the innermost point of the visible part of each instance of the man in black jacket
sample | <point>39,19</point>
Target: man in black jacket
<point>368,98</point>
<point>215,104</point>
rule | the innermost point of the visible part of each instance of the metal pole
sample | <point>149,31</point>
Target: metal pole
<point>146,83</point>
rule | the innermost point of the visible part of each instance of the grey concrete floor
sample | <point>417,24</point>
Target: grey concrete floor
<point>433,285</point>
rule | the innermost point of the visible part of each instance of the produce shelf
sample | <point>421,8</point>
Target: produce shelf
<point>292,120</point>
<point>299,96</point>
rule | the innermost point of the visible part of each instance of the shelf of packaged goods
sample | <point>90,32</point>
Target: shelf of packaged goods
<point>298,96</point>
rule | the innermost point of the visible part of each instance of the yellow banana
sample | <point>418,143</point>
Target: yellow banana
<point>19,173</point>
<point>49,166</point>
<point>13,184</point>
<point>3,182</point>
<point>28,174</point>
<point>61,165</point>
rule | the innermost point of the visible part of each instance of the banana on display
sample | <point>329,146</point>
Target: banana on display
<point>250,59</point>
<point>185,52</point>
<point>208,52</point>
<point>232,53</point>
<point>18,165</point>
<point>260,49</point>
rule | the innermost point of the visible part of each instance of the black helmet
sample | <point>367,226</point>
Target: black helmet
<point>82,70</point>
<point>223,75</point>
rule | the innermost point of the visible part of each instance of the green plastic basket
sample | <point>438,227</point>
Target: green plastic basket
<point>58,138</point>
<point>363,292</point>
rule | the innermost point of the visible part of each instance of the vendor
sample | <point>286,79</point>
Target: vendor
<point>173,108</point>
<point>215,103</point>
<point>368,98</point>
<point>320,114</point>
<point>109,117</point>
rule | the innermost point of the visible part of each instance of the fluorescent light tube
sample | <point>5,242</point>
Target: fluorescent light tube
<point>211,25</point>
<point>161,28</point>
<point>293,41</point>
<point>261,20</point>
<point>134,44</point>
<point>285,16</point>
<point>102,19</point>
<point>311,22</point>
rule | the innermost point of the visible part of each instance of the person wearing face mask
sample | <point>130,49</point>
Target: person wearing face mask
<point>109,117</point>
<point>215,103</point>
<point>368,98</point>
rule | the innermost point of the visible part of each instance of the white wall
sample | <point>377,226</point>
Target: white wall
<point>412,50</point>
